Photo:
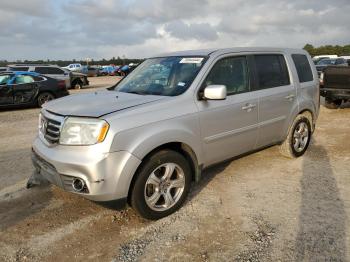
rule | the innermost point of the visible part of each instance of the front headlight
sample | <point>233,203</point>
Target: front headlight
<point>83,131</point>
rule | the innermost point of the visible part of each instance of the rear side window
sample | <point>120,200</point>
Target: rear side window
<point>231,72</point>
<point>303,68</point>
<point>271,71</point>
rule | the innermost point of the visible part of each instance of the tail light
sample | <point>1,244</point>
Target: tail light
<point>62,84</point>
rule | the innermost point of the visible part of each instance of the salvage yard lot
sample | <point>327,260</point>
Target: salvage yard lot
<point>261,207</point>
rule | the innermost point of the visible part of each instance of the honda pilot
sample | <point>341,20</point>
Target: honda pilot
<point>149,137</point>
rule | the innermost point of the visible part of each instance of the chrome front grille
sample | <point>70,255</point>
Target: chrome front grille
<point>50,127</point>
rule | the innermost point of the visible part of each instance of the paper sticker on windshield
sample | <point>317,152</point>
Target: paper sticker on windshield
<point>191,60</point>
<point>181,84</point>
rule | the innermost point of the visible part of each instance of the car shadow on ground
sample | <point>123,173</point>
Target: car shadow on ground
<point>14,209</point>
<point>322,229</point>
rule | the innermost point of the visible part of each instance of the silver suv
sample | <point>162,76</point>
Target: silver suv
<point>146,140</point>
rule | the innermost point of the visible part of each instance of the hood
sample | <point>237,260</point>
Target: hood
<point>97,104</point>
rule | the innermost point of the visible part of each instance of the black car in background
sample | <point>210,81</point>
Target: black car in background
<point>28,89</point>
<point>324,63</point>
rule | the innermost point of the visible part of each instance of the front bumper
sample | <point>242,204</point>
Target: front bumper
<point>107,175</point>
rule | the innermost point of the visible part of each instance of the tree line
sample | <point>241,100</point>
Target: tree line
<point>113,61</point>
<point>328,50</point>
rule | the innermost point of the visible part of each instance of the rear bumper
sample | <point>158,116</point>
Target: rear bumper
<point>335,93</point>
<point>107,176</point>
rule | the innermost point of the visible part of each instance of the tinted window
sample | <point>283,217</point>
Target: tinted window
<point>231,72</point>
<point>54,71</point>
<point>271,71</point>
<point>41,70</point>
<point>24,79</point>
<point>303,68</point>
<point>17,68</point>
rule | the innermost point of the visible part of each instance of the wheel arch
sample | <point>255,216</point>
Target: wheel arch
<point>180,147</point>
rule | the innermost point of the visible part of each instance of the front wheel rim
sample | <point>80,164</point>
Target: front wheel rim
<point>300,137</point>
<point>164,187</point>
<point>45,98</point>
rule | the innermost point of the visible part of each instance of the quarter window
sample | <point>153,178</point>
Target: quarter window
<point>231,72</point>
<point>303,68</point>
<point>271,71</point>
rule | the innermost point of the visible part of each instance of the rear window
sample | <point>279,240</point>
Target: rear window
<point>17,68</point>
<point>271,71</point>
<point>303,68</point>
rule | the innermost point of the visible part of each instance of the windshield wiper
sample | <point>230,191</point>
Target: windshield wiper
<point>137,92</point>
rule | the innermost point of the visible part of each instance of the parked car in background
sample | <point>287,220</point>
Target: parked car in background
<point>324,63</point>
<point>174,115</point>
<point>109,70</point>
<point>74,67</point>
<point>3,69</point>
<point>335,86</point>
<point>53,71</point>
<point>91,71</point>
<point>28,89</point>
<point>318,58</point>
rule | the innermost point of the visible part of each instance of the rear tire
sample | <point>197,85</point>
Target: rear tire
<point>43,98</point>
<point>298,138</point>
<point>332,104</point>
<point>162,185</point>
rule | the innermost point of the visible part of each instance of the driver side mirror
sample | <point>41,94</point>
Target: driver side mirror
<point>215,92</point>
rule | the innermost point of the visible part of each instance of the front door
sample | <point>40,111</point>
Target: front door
<point>229,127</point>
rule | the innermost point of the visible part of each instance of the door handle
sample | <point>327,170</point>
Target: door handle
<point>248,107</point>
<point>290,97</point>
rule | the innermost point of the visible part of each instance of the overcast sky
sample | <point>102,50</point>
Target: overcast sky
<point>67,29</point>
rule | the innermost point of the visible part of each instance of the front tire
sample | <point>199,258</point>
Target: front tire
<point>298,138</point>
<point>162,185</point>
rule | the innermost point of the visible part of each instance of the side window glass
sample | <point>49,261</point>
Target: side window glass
<point>231,72</point>
<point>41,70</point>
<point>24,79</point>
<point>303,68</point>
<point>4,79</point>
<point>271,71</point>
<point>54,71</point>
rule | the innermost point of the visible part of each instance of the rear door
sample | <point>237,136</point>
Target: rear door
<point>25,89</point>
<point>277,96</point>
<point>6,92</point>
<point>228,127</point>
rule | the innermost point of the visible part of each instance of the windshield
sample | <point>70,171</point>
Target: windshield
<point>326,62</point>
<point>165,76</point>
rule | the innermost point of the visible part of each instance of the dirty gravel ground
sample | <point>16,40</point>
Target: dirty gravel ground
<point>262,207</point>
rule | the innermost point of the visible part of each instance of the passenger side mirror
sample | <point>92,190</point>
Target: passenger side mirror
<point>215,92</point>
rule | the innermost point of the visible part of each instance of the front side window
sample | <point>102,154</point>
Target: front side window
<point>4,79</point>
<point>271,71</point>
<point>303,68</point>
<point>231,72</point>
<point>17,68</point>
<point>24,79</point>
<point>165,76</point>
